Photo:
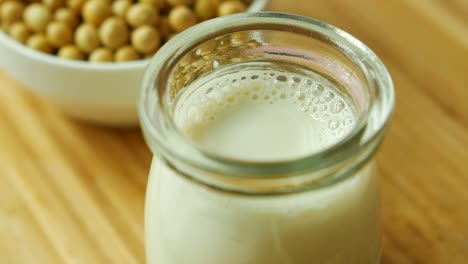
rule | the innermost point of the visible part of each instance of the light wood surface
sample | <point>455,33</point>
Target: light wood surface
<point>71,192</point>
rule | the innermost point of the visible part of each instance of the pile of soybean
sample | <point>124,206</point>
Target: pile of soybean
<point>106,30</point>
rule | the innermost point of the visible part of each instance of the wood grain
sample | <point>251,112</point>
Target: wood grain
<point>72,192</point>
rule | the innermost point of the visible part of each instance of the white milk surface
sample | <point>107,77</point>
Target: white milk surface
<point>263,116</point>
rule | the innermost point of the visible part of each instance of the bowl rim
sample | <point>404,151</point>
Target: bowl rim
<point>256,5</point>
<point>71,64</point>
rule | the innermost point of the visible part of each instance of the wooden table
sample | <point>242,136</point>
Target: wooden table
<point>71,192</point>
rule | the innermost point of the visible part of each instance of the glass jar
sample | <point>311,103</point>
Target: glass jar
<point>205,208</point>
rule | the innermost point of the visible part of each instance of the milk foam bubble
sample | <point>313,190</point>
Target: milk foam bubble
<point>265,115</point>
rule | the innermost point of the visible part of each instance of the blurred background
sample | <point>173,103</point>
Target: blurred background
<point>65,198</point>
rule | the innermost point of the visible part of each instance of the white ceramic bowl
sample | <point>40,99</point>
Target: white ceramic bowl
<point>103,93</point>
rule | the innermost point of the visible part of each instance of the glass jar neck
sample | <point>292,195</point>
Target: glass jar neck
<point>259,36</point>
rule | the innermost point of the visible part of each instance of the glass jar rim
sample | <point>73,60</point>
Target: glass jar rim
<point>165,139</point>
